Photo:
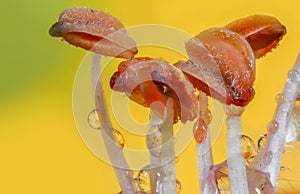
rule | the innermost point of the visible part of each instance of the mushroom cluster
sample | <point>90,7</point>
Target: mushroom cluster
<point>221,64</point>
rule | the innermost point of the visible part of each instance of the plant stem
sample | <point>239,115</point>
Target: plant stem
<point>269,159</point>
<point>154,142</point>
<point>235,157</point>
<point>113,149</point>
<point>167,171</point>
<point>204,155</point>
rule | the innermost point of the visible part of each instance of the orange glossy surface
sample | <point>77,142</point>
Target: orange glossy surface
<point>200,131</point>
<point>222,64</point>
<point>263,32</point>
<point>147,81</point>
<point>94,30</point>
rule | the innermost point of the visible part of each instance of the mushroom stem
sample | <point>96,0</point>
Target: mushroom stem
<point>204,155</point>
<point>166,180</point>
<point>235,157</point>
<point>113,149</point>
<point>154,142</point>
<point>268,160</point>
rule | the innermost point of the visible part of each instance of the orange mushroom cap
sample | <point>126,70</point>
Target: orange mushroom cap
<point>94,30</point>
<point>147,81</point>
<point>222,64</point>
<point>263,32</point>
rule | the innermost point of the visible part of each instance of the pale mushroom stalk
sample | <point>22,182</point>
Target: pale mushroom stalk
<point>113,149</point>
<point>153,141</point>
<point>166,183</point>
<point>204,155</point>
<point>269,159</point>
<point>235,157</point>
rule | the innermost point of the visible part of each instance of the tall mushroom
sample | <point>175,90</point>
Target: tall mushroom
<point>222,64</point>
<point>148,81</point>
<point>103,34</point>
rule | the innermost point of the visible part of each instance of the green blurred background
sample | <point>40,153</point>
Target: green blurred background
<point>40,148</point>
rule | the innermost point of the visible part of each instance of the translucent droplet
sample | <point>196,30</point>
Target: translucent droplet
<point>293,129</point>
<point>144,180</point>
<point>279,98</point>
<point>93,120</point>
<point>119,138</point>
<point>129,174</point>
<point>268,158</point>
<point>293,75</point>
<point>200,131</point>
<point>222,179</point>
<point>250,160</point>
<point>206,116</point>
<point>177,159</point>
<point>261,142</point>
<point>178,186</point>
<point>282,168</point>
<point>272,126</point>
<point>248,146</point>
<point>154,141</point>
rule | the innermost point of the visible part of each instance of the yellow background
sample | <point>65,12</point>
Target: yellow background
<point>40,148</point>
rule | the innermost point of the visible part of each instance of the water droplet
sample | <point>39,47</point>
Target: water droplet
<point>272,126</point>
<point>93,120</point>
<point>261,142</point>
<point>154,141</point>
<point>119,138</point>
<point>279,98</point>
<point>129,174</point>
<point>222,179</point>
<point>268,158</point>
<point>206,116</point>
<point>144,180</point>
<point>250,160</point>
<point>200,131</point>
<point>248,146</point>
<point>293,75</point>
<point>178,186</point>
<point>177,159</point>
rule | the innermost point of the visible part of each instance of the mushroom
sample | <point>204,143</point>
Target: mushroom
<point>222,64</point>
<point>149,82</point>
<point>103,34</point>
<point>95,31</point>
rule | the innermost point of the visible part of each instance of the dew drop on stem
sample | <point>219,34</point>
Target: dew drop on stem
<point>272,126</point>
<point>248,146</point>
<point>93,120</point>
<point>178,186</point>
<point>119,138</point>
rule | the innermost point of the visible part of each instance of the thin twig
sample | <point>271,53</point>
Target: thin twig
<point>113,149</point>
<point>269,159</point>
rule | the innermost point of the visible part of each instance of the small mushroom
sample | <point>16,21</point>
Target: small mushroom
<point>147,81</point>
<point>96,31</point>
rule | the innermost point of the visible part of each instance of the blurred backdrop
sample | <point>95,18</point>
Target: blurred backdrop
<point>41,150</point>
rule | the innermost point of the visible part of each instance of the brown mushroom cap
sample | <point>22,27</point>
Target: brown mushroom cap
<point>147,80</point>
<point>263,32</point>
<point>96,31</point>
<point>222,64</point>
